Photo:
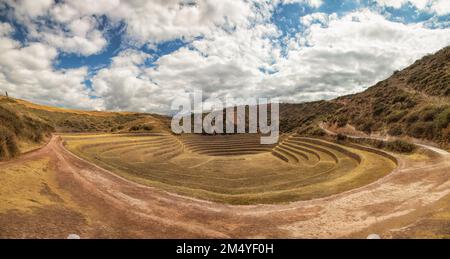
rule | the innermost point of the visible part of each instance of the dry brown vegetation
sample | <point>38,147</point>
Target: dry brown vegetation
<point>413,102</point>
<point>24,125</point>
<point>16,128</point>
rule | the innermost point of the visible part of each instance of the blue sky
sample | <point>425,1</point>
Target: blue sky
<point>138,56</point>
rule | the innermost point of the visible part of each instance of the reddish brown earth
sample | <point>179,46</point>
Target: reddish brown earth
<point>108,206</point>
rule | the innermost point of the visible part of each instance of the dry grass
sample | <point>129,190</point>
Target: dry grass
<point>66,120</point>
<point>63,110</point>
<point>29,186</point>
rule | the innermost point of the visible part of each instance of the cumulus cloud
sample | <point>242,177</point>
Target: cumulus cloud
<point>332,57</point>
<point>125,85</point>
<point>160,20</point>
<point>30,8</point>
<point>59,25</point>
<point>27,72</point>
<point>312,3</point>
<point>351,53</point>
<point>223,64</point>
<point>233,49</point>
<point>5,29</point>
<point>81,37</point>
<point>440,7</point>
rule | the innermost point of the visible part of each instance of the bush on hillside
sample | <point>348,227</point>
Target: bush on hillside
<point>395,116</point>
<point>142,127</point>
<point>395,130</point>
<point>8,144</point>
<point>421,129</point>
<point>365,127</point>
<point>312,130</point>
<point>341,137</point>
<point>378,109</point>
<point>411,118</point>
<point>400,146</point>
<point>341,121</point>
<point>443,119</point>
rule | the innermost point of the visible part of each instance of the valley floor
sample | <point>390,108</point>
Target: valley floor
<point>51,193</point>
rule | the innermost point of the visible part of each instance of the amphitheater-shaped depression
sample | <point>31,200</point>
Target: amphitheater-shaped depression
<point>235,169</point>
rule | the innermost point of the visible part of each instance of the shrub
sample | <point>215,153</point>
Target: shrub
<point>8,144</point>
<point>341,137</point>
<point>147,127</point>
<point>443,119</point>
<point>446,135</point>
<point>412,118</point>
<point>366,127</point>
<point>428,114</point>
<point>400,146</point>
<point>400,98</point>
<point>421,129</point>
<point>341,121</point>
<point>135,128</point>
<point>395,146</point>
<point>312,131</point>
<point>144,127</point>
<point>395,130</point>
<point>407,104</point>
<point>378,109</point>
<point>395,116</point>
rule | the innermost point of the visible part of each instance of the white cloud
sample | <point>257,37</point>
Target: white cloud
<point>81,37</point>
<point>71,31</point>
<point>30,8</point>
<point>318,17</point>
<point>156,21</point>
<point>27,72</point>
<point>221,64</point>
<point>5,29</point>
<point>160,20</point>
<point>440,7</point>
<point>124,85</point>
<point>353,52</point>
<point>335,57</point>
<point>312,3</point>
<point>239,53</point>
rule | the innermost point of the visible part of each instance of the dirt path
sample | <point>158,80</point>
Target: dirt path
<point>439,151</point>
<point>115,207</point>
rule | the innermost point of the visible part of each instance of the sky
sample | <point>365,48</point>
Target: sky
<point>139,55</point>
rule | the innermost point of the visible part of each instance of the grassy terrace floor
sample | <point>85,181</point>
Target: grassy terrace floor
<point>233,169</point>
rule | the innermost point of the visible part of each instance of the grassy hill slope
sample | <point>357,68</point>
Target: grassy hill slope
<point>23,123</point>
<point>413,102</point>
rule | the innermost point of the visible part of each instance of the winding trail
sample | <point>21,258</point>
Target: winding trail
<point>437,150</point>
<point>121,208</point>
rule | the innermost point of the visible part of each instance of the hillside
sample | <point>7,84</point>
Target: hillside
<point>413,102</point>
<point>24,125</point>
<point>304,117</point>
<point>19,131</point>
